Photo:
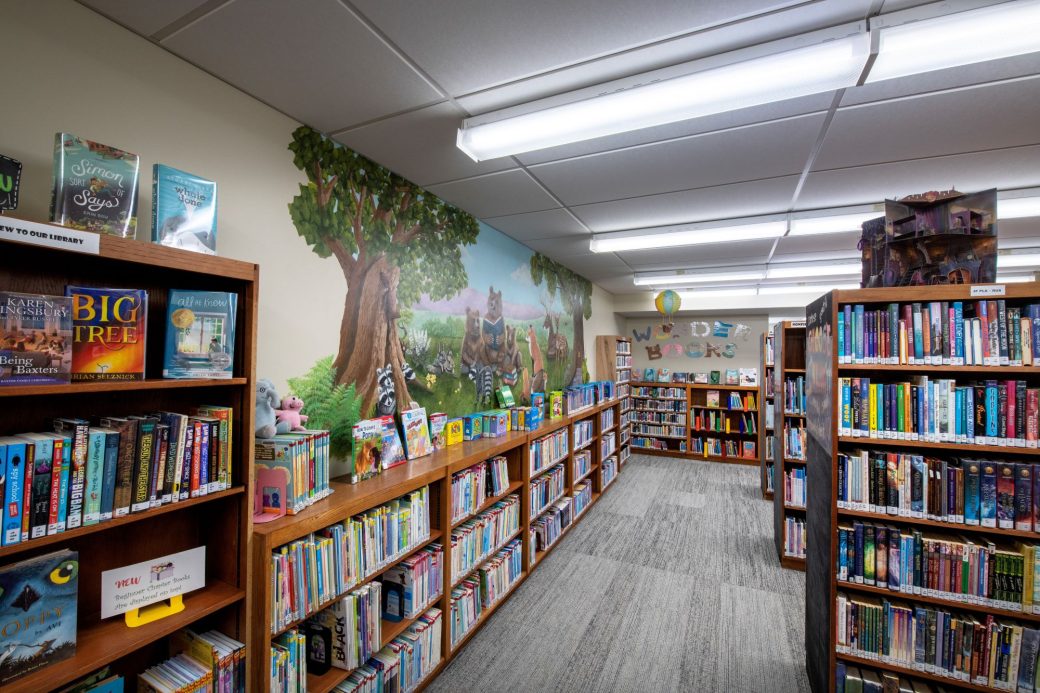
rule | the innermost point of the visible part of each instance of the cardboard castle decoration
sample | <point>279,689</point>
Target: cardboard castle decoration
<point>935,238</point>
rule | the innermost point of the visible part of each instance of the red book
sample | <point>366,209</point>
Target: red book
<point>27,491</point>
<point>52,520</point>
<point>980,312</point>
<point>196,459</point>
<point>1032,414</point>
<point>1009,432</point>
<point>908,320</point>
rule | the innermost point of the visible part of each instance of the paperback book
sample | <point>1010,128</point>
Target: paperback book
<point>200,334</point>
<point>184,210</point>
<point>35,339</point>
<point>367,453</point>
<point>416,433</point>
<point>109,330</point>
<point>95,187</point>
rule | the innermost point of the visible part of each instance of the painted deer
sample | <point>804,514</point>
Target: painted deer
<point>558,348</point>
<point>538,380</point>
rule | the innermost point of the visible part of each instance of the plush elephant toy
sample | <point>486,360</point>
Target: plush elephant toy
<point>266,400</point>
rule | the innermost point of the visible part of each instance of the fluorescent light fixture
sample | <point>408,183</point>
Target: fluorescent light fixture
<point>833,224</point>
<point>814,69</point>
<point>717,293</point>
<point>963,38</point>
<point>818,289</point>
<point>646,239</point>
<point>1014,279</point>
<point>1018,207</point>
<point>1021,260</point>
<point>799,271</point>
<point>696,277</point>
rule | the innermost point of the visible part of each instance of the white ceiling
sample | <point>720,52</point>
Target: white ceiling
<point>393,79</point>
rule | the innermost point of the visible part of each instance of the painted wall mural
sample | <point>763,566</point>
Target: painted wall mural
<point>439,309</point>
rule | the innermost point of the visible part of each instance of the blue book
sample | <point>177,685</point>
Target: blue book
<point>1034,315</point>
<point>42,463</point>
<point>857,569</point>
<point>972,481</point>
<point>918,334</point>
<point>841,338</point>
<point>847,312</point>
<point>108,479</point>
<point>893,332</point>
<point>200,334</point>
<point>857,322</point>
<point>918,479</point>
<point>12,452</point>
<point>95,476</point>
<point>95,186</point>
<point>988,495</point>
<point>184,210</point>
<point>846,404</point>
<point>958,333</point>
<point>992,411</point>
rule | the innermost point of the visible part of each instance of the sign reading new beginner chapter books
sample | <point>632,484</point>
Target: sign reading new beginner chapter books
<point>200,334</point>
<point>184,210</point>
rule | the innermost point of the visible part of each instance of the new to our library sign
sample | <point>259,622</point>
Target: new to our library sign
<point>50,236</point>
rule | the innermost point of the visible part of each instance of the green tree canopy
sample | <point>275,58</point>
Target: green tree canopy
<point>575,291</point>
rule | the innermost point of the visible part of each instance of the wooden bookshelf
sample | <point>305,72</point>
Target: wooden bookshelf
<point>219,521</point>
<point>825,444</point>
<point>789,365</point>
<point>765,398</point>
<point>435,471</point>
<point>614,363</point>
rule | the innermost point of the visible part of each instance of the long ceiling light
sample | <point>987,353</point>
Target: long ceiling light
<point>1018,260</point>
<point>835,64</point>
<point>647,239</point>
<point>974,36</point>
<point>716,293</point>
<point>1018,207</point>
<point>837,223</point>
<point>694,277</point>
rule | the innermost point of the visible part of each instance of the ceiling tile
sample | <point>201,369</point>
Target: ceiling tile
<point>571,246</point>
<point>619,284</point>
<point>496,194</point>
<point>319,65</point>
<point>714,254</point>
<point>965,120</point>
<point>1005,169</point>
<point>552,223</point>
<point>420,146</point>
<point>833,245</point>
<point>741,199</point>
<point>596,267</point>
<point>732,156</point>
<point>144,16</point>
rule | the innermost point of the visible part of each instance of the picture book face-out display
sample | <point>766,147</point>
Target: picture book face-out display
<point>367,454</point>
<point>95,186</point>
<point>200,334</point>
<point>184,210</point>
<point>35,339</point>
<point>416,433</point>
<point>109,327</point>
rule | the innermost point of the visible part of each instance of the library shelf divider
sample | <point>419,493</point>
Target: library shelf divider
<point>614,363</point>
<point>787,372</point>
<point>767,439</point>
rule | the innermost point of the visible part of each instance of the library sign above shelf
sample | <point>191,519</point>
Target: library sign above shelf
<point>50,236</point>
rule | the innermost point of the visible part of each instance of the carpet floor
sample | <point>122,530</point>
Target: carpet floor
<point>671,583</point>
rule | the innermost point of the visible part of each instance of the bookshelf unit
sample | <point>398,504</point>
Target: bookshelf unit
<point>614,363</point>
<point>219,521</point>
<point>435,471</point>
<point>831,443</point>
<point>788,423</point>
<point>765,397</point>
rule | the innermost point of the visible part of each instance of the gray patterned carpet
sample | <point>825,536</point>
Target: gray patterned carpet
<point>669,584</point>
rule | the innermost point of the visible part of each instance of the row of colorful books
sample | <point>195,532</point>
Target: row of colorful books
<point>655,405</point>
<point>731,376</point>
<point>309,572</point>
<point>795,441</point>
<point>80,475</point>
<point>723,422</point>
<point>653,392</point>
<point>794,536</point>
<point>479,537</point>
<point>625,452</point>
<point>984,573</point>
<point>608,470</point>
<point>208,661</point>
<point>349,630</point>
<point>957,333</point>
<point>473,486</point>
<point>794,487</point>
<point>547,528</point>
<point>582,464</point>
<point>578,397</point>
<point>662,417</point>
<point>607,445</point>
<point>414,584</point>
<point>717,447</point>
<point>855,679</point>
<point>734,401</point>
<point>639,441</point>
<point>97,334</point>
<point>547,488</point>
<point>583,433</point>
<point>582,497</point>
<point>293,469</point>
<point>989,493</point>
<point>794,395</point>
<point>770,448</point>
<point>606,418</point>
<point>991,412</point>
<point>645,429</point>
<point>548,450</point>
<point>478,593</point>
<point>980,650</point>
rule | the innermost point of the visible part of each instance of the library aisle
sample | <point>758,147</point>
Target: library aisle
<point>652,592</point>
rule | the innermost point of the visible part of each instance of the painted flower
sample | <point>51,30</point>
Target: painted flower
<point>431,380</point>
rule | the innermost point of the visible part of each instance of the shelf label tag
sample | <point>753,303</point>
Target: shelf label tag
<point>797,323</point>
<point>50,236</point>
<point>148,582</point>
<point>987,290</point>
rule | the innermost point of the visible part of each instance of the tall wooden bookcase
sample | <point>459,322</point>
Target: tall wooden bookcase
<point>788,422</point>
<point>614,363</point>
<point>220,521</point>
<point>826,443</point>
<point>765,397</point>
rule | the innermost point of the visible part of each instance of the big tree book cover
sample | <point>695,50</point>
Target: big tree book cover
<point>38,610</point>
<point>109,327</point>
<point>35,339</point>
<point>200,334</point>
<point>95,187</point>
<point>184,210</point>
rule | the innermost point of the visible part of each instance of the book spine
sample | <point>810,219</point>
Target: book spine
<point>988,495</point>
<point>158,467</point>
<point>204,459</point>
<point>186,464</point>
<point>142,467</point>
<point>1002,332</point>
<point>196,461</point>
<point>94,477</point>
<point>13,458</point>
<point>1032,432</point>
<point>78,432</point>
<point>55,502</point>
<point>108,486</point>
<point>1023,497</point>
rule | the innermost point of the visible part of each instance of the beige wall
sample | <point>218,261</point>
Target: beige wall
<point>603,321</point>
<point>747,352</point>
<point>71,70</point>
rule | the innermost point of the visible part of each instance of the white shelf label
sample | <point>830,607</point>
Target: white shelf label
<point>149,582</point>
<point>988,290</point>
<point>50,236</point>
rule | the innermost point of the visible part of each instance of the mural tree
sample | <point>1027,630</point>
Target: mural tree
<point>393,241</point>
<point>575,293</point>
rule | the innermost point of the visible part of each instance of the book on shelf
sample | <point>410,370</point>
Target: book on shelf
<point>101,681</point>
<point>35,339</point>
<point>353,622</point>
<point>416,433</point>
<point>732,376</point>
<point>700,378</point>
<point>94,186</point>
<point>184,210</point>
<point>304,458</point>
<point>200,334</point>
<point>712,399</point>
<point>109,333</point>
<point>748,376</point>
<point>413,584</point>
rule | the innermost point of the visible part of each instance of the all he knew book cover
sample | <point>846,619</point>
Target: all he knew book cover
<point>109,330</point>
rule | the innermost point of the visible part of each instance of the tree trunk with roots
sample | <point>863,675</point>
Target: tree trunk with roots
<point>578,318</point>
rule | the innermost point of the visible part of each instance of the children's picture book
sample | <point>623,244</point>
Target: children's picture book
<point>453,432</point>
<point>367,454</point>
<point>664,375</point>
<point>38,594</point>
<point>416,433</point>
<point>505,397</point>
<point>732,378</point>
<point>649,375</point>
<point>393,450</point>
<point>35,339</point>
<point>748,376</point>
<point>200,334</point>
<point>438,421</point>
<point>715,378</point>
<point>95,187</point>
<point>538,401</point>
<point>712,398</point>
<point>184,210</point>
<point>109,330</point>
<point>555,404</point>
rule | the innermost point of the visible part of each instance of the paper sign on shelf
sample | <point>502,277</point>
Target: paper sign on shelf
<point>148,582</point>
<point>988,290</point>
<point>50,236</point>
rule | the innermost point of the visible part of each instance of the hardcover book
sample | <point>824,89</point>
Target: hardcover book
<point>200,334</point>
<point>37,596</point>
<point>748,376</point>
<point>109,330</point>
<point>416,433</point>
<point>453,432</point>
<point>393,449</point>
<point>438,421</point>
<point>732,378</point>
<point>95,187</point>
<point>367,452</point>
<point>35,339</point>
<point>184,210</point>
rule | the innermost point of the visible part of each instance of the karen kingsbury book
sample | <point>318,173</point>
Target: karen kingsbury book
<point>40,594</point>
<point>95,186</point>
<point>200,334</point>
<point>184,210</point>
<point>109,327</point>
<point>35,339</point>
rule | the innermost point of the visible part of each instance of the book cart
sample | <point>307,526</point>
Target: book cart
<point>789,447</point>
<point>219,521</point>
<point>614,363</point>
<point>765,398</point>
<point>435,471</point>
<point>940,615</point>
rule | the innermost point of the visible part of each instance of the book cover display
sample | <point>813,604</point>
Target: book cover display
<point>38,597</point>
<point>108,333</point>
<point>95,187</point>
<point>200,334</point>
<point>10,179</point>
<point>393,449</point>
<point>416,433</point>
<point>367,450</point>
<point>35,339</point>
<point>184,210</point>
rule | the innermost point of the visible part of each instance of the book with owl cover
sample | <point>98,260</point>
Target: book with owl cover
<point>200,334</point>
<point>109,327</point>
<point>184,210</point>
<point>95,187</point>
<point>40,594</point>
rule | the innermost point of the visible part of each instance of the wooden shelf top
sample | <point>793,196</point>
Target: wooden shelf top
<point>82,388</point>
<point>951,526</point>
<point>982,449</point>
<point>945,292</point>
<point>655,451</point>
<point>989,371</point>
<point>793,562</point>
<point>796,508</point>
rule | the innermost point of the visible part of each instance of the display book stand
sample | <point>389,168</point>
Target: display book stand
<point>219,521</point>
<point>789,354</point>
<point>682,404</point>
<point>614,363</point>
<point>765,397</point>
<point>435,470</point>
<point>825,443</point>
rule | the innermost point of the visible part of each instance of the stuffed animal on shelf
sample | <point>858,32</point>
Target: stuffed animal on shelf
<point>291,414</point>
<point>266,422</point>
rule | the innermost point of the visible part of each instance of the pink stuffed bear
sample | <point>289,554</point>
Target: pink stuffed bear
<point>290,413</point>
